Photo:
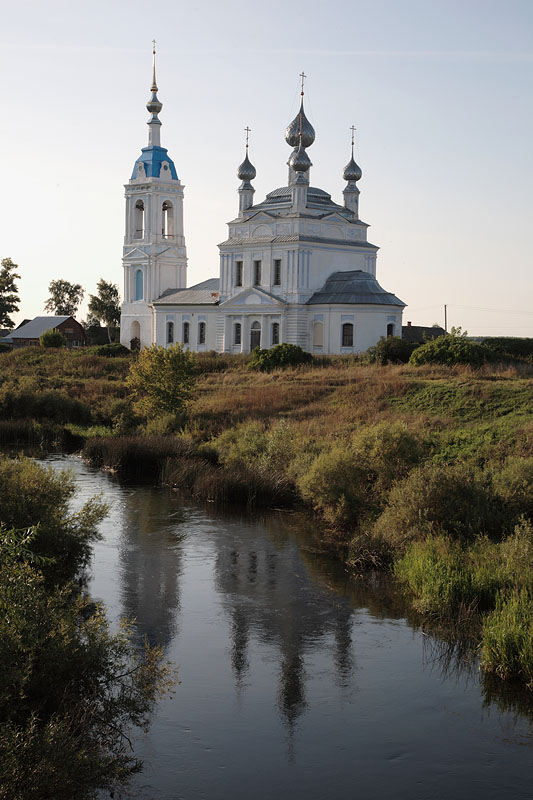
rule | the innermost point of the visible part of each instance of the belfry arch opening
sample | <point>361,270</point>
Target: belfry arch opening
<point>135,336</point>
<point>139,220</point>
<point>167,220</point>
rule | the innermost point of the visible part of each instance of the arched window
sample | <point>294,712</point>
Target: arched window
<point>318,334</point>
<point>185,333</point>
<point>139,220</point>
<point>168,220</point>
<point>390,329</point>
<point>255,335</point>
<point>201,333</point>
<point>347,334</point>
<point>139,284</point>
<point>170,332</point>
<point>237,330</point>
<point>275,333</point>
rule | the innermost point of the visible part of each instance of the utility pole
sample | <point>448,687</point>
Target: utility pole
<point>445,319</point>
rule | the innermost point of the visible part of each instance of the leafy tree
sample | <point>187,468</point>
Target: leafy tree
<point>162,379</point>
<point>390,350</point>
<point>70,690</point>
<point>105,306</point>
<point>52,338</point>
<point>32,495</point>
<point>65,298</point>
<point>9,293</point>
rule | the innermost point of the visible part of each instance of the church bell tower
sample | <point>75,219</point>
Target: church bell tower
<point>154,254</point>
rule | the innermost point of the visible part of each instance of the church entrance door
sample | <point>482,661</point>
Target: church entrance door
<point>255,335</point>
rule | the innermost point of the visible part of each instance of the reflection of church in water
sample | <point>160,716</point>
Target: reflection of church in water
<point>296,267</point>
<point>271,598</point>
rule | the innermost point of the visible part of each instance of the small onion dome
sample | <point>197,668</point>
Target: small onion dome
<point>153,105</point>
<point>352,171</point>
<point>246,171</point>
<point>292,134</point>
<point>299,160</point>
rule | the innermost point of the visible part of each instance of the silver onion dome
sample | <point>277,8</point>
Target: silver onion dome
<point>246,171</point>
<point>352,171</point>
<point>300,122</point>
<point>299,160</point>
<point>154,105</point>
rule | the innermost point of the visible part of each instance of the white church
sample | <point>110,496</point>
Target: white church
<point>296,267</point>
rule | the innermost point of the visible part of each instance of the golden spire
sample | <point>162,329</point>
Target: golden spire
<point>154,83</point>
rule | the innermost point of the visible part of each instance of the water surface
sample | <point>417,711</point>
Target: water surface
<point>295,681</point>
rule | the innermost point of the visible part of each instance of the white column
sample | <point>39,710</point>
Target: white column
<point>228,330</point>
<point>245,335</point>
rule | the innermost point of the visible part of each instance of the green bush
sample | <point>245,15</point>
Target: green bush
<point>279,356</point>
<point>110,350</point>
<point>52,338</point>
<point>435,499</point>
<point>35,496</point>
<point>337,486</point>
<point>388,451</point>
<point>350,482</point>
<point>450,350</point>
<point>390,350</point>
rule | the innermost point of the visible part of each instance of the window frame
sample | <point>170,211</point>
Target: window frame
<point>202,332</point>
<point>257,272</point>
<point>347,332</point>
<point>276,281</point>
<point>170,331</point>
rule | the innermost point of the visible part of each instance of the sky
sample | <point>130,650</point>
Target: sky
<point>440,92</point>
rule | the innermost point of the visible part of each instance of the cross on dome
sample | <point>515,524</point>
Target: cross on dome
<point>246,171</point>
<point>300,124</point>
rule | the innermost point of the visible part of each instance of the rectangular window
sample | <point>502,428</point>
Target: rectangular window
<point>201,333</point>
<point>185,333</point>
<point>275,333</point>
<point>277,272</point>
<point>238,273</point>
<point>237,333</point>
<point>347,335</point>
<point>257,273</point>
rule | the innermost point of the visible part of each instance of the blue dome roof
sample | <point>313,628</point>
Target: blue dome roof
<point>152,157</point>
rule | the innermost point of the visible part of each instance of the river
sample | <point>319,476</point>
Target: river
<point>295,681</point>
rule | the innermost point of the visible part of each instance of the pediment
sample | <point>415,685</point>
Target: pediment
<point>252,297</point>
<point>135,252</point>
<point>260,216</point>
<point>334,217</point>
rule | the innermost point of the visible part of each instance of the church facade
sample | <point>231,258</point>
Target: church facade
<point>296,267</point>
